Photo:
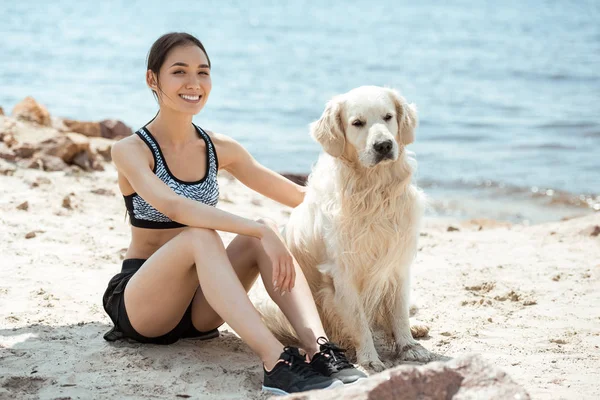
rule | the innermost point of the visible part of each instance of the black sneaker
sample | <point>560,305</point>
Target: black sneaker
<point>294,374</point>
<point>331,361</point>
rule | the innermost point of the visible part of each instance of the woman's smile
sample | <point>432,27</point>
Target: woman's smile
<point>191,98</point>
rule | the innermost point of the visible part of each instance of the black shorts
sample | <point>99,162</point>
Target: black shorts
<point>114,305</point>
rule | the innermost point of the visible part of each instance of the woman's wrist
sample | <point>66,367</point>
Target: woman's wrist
<point>261,230</point>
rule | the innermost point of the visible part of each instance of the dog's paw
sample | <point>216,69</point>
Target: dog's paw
<point>419,330</point>
<point>372,365</point>
<point>415,352</point>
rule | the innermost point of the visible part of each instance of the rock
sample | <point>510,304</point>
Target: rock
<point>8,131</point>
<point>485,223</point>
<point>1,111</point>
<point>91,129</point>
<point>105,153</point>
<point>66,203</point>
<point>65,147</point>
<point>31,111</point>
<point>25,150</point>
<point>96,162</point>
<point>103,192</point>
<point>53,163</point>
<point>82,142</point>
<point>467,377</point>
<point>23,206</point>
<point>6,168</point>
<point>59,124</point>
<point>6,153</point>
<point>592,231</point>
<point>9,139</point>
<point>32,163</point>
<point>102,147</point>
<point>30,235</point>
<point>85,162</point>
<point>114,129</point>
<point>41,180</point>
<point>419,330</point>
<point>452,229</point>
<point>299,179</point>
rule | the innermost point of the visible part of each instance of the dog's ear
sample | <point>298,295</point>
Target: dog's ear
<point>328,131</point>
<point>407,118</point>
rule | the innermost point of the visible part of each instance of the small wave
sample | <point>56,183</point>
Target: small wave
<point>592,134</point>
<point>455,138</point>
<point>544,146</point>
<point>568,125</point>
<point>479,125</point>
<point>556,77</point>
<point>555,197</point>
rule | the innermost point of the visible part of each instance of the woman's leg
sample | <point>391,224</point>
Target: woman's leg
<point>248,259</point>
<point>158,294</point>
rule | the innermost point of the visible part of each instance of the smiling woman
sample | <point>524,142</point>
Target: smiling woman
<point>178,280</point>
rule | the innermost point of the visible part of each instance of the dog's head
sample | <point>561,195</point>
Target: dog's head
<point>369,124</point>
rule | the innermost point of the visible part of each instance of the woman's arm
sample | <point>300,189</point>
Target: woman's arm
<point>130,159</point>
<point>238,161</point>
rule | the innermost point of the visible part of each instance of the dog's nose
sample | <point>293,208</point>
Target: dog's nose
<point>383,148</point>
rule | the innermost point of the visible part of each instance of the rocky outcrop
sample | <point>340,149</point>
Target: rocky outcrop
<point>91,129</point>
<point>32,111</point>
<point>6,153</point>
<point>34,139</point>
<point>114,129</point>
<point>299,179</point>
<point>109,129</point>
<point>464,378</point>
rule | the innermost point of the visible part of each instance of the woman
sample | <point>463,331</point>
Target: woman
<point>178,280</point>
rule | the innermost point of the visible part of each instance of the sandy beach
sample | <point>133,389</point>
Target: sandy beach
<point>525,298</point>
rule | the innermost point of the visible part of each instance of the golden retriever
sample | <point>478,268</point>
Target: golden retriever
<point>355,235</point>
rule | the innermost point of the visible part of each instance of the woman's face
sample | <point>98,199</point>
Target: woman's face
<point>184,80</point>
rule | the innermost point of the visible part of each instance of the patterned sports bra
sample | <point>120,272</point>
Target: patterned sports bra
<point>206,190</point>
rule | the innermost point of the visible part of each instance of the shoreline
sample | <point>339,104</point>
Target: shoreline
<point>31,123</point>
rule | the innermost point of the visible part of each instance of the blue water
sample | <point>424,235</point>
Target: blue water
<point>508,92</point>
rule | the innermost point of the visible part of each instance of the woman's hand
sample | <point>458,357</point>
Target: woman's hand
<point>284,273</point>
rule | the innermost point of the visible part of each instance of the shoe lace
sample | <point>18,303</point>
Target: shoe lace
<point>336,354</point>
<point>298,364</point>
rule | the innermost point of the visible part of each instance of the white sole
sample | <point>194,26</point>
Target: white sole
<point>356,381</point>
<point>280,392</point>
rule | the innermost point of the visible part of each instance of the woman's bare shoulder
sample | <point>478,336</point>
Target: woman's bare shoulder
<point>131,145</point>
<point>220,139</point>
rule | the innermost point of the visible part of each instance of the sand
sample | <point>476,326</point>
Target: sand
<point>526,298</point>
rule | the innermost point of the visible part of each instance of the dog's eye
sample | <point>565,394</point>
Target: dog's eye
<point>357,122</point>
<point>387,117</point>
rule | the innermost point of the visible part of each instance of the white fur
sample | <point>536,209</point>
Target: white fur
<point>355,235</point>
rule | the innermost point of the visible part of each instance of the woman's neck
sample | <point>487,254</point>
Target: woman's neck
<point>172,128</point>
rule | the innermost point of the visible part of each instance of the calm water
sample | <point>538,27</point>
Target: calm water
<point>509,94</point>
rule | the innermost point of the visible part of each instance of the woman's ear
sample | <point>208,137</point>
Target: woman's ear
<point>328,131</point>
<point>151,80</point>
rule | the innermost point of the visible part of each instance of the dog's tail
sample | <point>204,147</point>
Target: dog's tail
<point>277,323</point>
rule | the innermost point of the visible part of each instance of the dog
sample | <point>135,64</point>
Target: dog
<point>355,234</point>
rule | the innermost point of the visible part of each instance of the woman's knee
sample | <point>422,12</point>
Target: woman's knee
<point>201,236</point>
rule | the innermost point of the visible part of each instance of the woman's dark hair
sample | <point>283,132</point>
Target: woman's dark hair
<point>164,44</point>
